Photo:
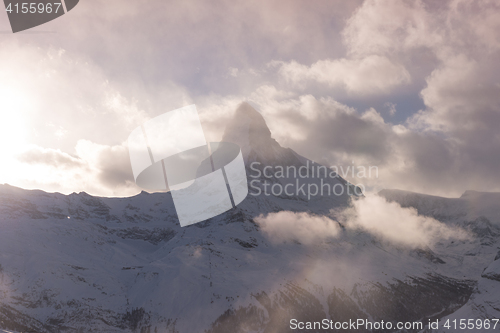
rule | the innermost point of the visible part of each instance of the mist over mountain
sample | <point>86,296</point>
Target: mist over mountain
<point>79,263</point>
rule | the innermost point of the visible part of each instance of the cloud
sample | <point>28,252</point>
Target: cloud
<point>69,97</point>
<point>340,68</point>
<point>373,214</point>
<point>110,163</point>
<point>50,102</point>
<point>370,75</point>
<point>303,227</point>
<point>391,108</point>
<point>375,37</point>
<point>389,27</point>
<point>391,222</point>
<point>429,161</point>
<point>325,130</point>
<point>95,168</point>
<point>47,156</point>
<point>193,43</point>
<point>450,51</point>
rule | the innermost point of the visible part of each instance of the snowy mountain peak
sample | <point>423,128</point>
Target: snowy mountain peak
<point>247,126</point>
<point>249,130</point>
<point>245,114</point>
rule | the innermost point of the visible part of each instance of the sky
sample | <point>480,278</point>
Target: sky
<point>411,87</point>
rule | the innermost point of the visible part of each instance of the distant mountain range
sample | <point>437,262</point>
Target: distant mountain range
<point>79,263</point>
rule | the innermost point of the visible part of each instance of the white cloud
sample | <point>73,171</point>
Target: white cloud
<point>233,71</point>
<point>391,107</point>
<point>303,227</point>
<point>373,214</point>
<point>388,27</point>
<point>47,156</point>
<point>373,74</point>
<point>391,222</point>
<point>94,168</point>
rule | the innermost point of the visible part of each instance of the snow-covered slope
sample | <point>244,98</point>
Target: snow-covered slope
<point>78,263</point>
<point>122,264</point>
<point>480,213</point>
<point>470,206</point>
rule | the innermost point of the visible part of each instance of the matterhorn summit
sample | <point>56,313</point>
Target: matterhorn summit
<point>249,130</point>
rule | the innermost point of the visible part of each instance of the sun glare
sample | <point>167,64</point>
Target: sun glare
<point>13,131</point>
<point>13,107</point>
